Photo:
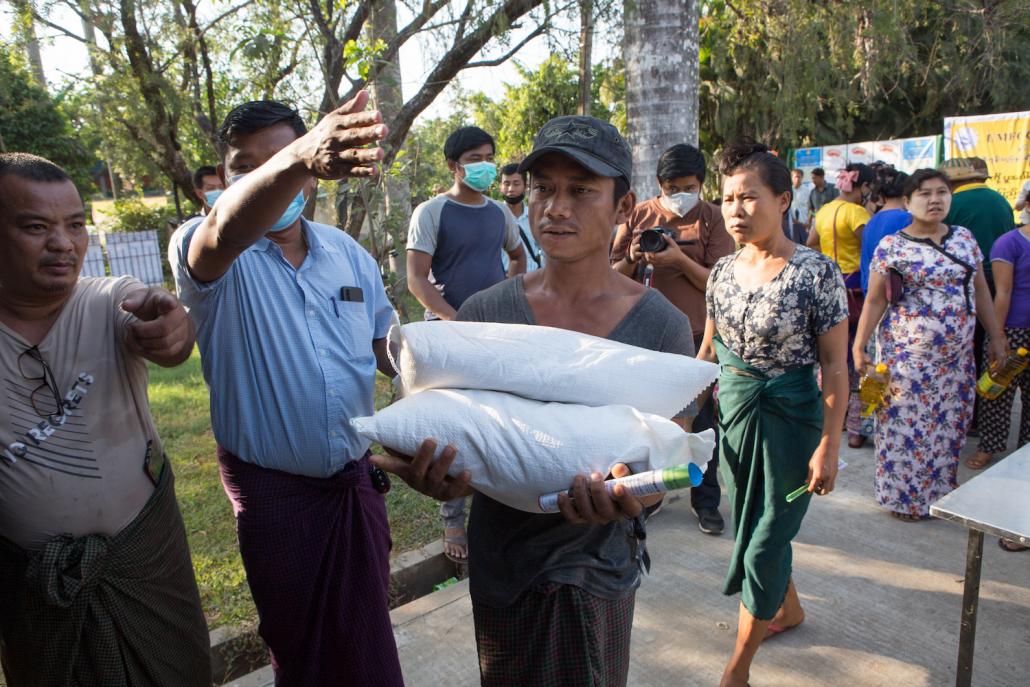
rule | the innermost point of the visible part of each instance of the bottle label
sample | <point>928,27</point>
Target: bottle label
<point>643,484</point>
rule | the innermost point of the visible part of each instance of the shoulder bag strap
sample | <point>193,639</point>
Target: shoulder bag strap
<point>529,248</point>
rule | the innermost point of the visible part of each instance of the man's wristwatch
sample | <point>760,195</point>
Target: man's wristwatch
<point>627,259</point>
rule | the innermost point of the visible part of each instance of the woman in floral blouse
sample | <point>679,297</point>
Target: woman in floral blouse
<point>775,310</point>
<point>926,341</point>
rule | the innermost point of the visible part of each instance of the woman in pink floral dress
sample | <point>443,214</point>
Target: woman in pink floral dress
<point>926,341</point>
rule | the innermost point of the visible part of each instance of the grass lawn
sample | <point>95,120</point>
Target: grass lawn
<point>179,402</point>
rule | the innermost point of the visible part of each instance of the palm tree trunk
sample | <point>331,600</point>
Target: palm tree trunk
<point>661,51</point>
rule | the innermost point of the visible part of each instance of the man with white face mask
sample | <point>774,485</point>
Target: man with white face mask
<point>680,272</point>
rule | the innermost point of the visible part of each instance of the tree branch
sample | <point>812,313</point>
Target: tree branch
<point>60,29</point>
<point>507,56</point>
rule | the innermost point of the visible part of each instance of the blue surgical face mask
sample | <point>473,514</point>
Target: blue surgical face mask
<point>479,175</point>
<point>290,214</point>
<point>211,196</point>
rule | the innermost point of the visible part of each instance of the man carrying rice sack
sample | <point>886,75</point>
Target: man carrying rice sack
<point>561,588</point>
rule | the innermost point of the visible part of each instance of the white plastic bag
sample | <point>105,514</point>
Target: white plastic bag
<point>517,449</point>
<point>546,364</point>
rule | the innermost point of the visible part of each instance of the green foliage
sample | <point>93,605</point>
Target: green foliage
<point>794,72</point>
<point>32,122</point>
<point>422,159</point>
<point>362,54</point>
<point>132,214</point>
<point>549,91</point>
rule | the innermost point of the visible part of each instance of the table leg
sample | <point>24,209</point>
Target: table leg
<point>970,603</point>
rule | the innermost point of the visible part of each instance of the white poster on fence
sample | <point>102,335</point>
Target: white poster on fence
<point>888,151</point>
<point>861,152</point>
<point>835,159</point>
<point>137,254</point>
<point>919,153</point>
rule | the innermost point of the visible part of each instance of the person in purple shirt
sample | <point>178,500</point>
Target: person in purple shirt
<point>892,217</point>
<point>1010,260</point>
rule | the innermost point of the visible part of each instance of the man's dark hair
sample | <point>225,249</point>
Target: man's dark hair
<point>819,172</point>
<point>257,115</point>
<point>681,160</point>
<point>754,157</point>
<point>796,170</point>
<point>621,189</point>
<point>204,171</point>
<point>921,176</point>
<point>466,138</point>
<point>512,168</point>
<point>31,167</point>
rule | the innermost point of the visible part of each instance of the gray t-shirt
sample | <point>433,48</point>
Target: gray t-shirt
<point>466,243</point>
<point>510,550</point>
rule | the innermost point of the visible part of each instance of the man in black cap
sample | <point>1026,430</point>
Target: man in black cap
<point>553,595</point>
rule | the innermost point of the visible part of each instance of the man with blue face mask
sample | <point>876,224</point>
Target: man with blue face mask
<point>291,322</point>
<point>454,250</point>
<point>679,270</point>
<point>208,186</point>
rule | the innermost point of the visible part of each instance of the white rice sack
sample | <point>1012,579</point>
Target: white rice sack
<point>546,364</point>
<point>517,449</point>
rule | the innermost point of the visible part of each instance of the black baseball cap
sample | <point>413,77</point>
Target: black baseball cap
<point>596,145</point>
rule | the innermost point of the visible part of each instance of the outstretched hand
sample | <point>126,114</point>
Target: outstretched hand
<point>425,475</point>
<point>591,503</point>
<point>162,332</point>
<point>336,147</point>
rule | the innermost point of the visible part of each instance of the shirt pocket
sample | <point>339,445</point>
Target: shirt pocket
<point>354,327</point>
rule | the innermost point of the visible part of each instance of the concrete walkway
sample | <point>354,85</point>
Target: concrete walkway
<point>882,599</point>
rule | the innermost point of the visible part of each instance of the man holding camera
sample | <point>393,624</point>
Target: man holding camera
<point>676,262</point>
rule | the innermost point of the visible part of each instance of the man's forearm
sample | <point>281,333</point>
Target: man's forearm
<point>249,207</point>
<point>430,297</point>
<point>624,266</point>
<point>695,272</point>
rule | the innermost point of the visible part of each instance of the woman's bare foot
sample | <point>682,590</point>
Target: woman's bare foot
<point>979,461</point>
<point>788,617</point>
<point>732,679</point>
<point>455,544</point>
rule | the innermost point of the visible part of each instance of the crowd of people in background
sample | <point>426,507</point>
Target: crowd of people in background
<point>794,290</point>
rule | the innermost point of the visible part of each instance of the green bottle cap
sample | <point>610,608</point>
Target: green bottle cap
<point>682,476</point>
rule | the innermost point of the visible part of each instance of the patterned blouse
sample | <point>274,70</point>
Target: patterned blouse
<point>774,327</point>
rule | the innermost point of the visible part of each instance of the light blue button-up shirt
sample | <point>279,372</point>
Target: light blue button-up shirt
<point>287,360</point>
<point>528,242</point>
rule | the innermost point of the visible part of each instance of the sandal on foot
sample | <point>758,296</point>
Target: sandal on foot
<point>856,440</point>
<point>457,540</point>
<point>977,462</point>
<point>907,517</point>
<point>1011,546</point>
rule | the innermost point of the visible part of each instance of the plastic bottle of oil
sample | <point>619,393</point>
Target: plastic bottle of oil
<point>993,383</point>
<point>873,389</point>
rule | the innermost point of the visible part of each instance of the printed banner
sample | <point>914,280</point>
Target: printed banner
<point>807,159</point>
<point>1003,140</point>
<point>919,153</point>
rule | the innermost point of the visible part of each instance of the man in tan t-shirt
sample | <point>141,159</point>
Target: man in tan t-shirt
<point>96,582</point>
<point>680,273</point>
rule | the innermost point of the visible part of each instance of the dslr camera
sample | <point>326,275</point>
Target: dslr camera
<point>653,240</point>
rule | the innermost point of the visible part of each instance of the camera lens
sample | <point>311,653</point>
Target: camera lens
<point>652,241</point>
